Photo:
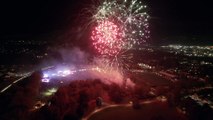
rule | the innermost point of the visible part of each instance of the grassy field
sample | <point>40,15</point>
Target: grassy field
<point>151,79</point>
<point>152,111</point>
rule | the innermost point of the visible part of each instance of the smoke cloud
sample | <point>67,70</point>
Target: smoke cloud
<point>82,67</point>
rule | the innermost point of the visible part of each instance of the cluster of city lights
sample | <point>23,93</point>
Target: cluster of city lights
<point>196,51</point>
<point>201,101</point>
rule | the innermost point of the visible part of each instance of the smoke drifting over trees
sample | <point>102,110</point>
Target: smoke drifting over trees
<point>74,56</point>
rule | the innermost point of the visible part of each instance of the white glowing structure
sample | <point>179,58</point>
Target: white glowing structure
<point>59,73</point>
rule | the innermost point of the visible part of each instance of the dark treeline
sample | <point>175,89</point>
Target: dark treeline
<point>76,100</point>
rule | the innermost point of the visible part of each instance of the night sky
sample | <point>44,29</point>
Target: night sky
<point>32,18</point>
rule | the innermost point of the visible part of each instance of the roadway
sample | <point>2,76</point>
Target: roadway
<point>9,84</point>
<point>123,105</point>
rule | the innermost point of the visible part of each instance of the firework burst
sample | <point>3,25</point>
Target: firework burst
<point>118,26</point>
<point>107,38</point>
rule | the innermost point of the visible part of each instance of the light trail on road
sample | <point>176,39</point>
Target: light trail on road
<point>7,87</point>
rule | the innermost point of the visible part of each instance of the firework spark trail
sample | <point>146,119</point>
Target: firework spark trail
<point>118,27</point>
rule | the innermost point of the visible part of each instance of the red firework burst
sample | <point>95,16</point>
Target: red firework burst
<point>107,38</point>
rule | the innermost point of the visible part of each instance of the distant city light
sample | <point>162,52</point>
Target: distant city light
<point>196,51</point>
